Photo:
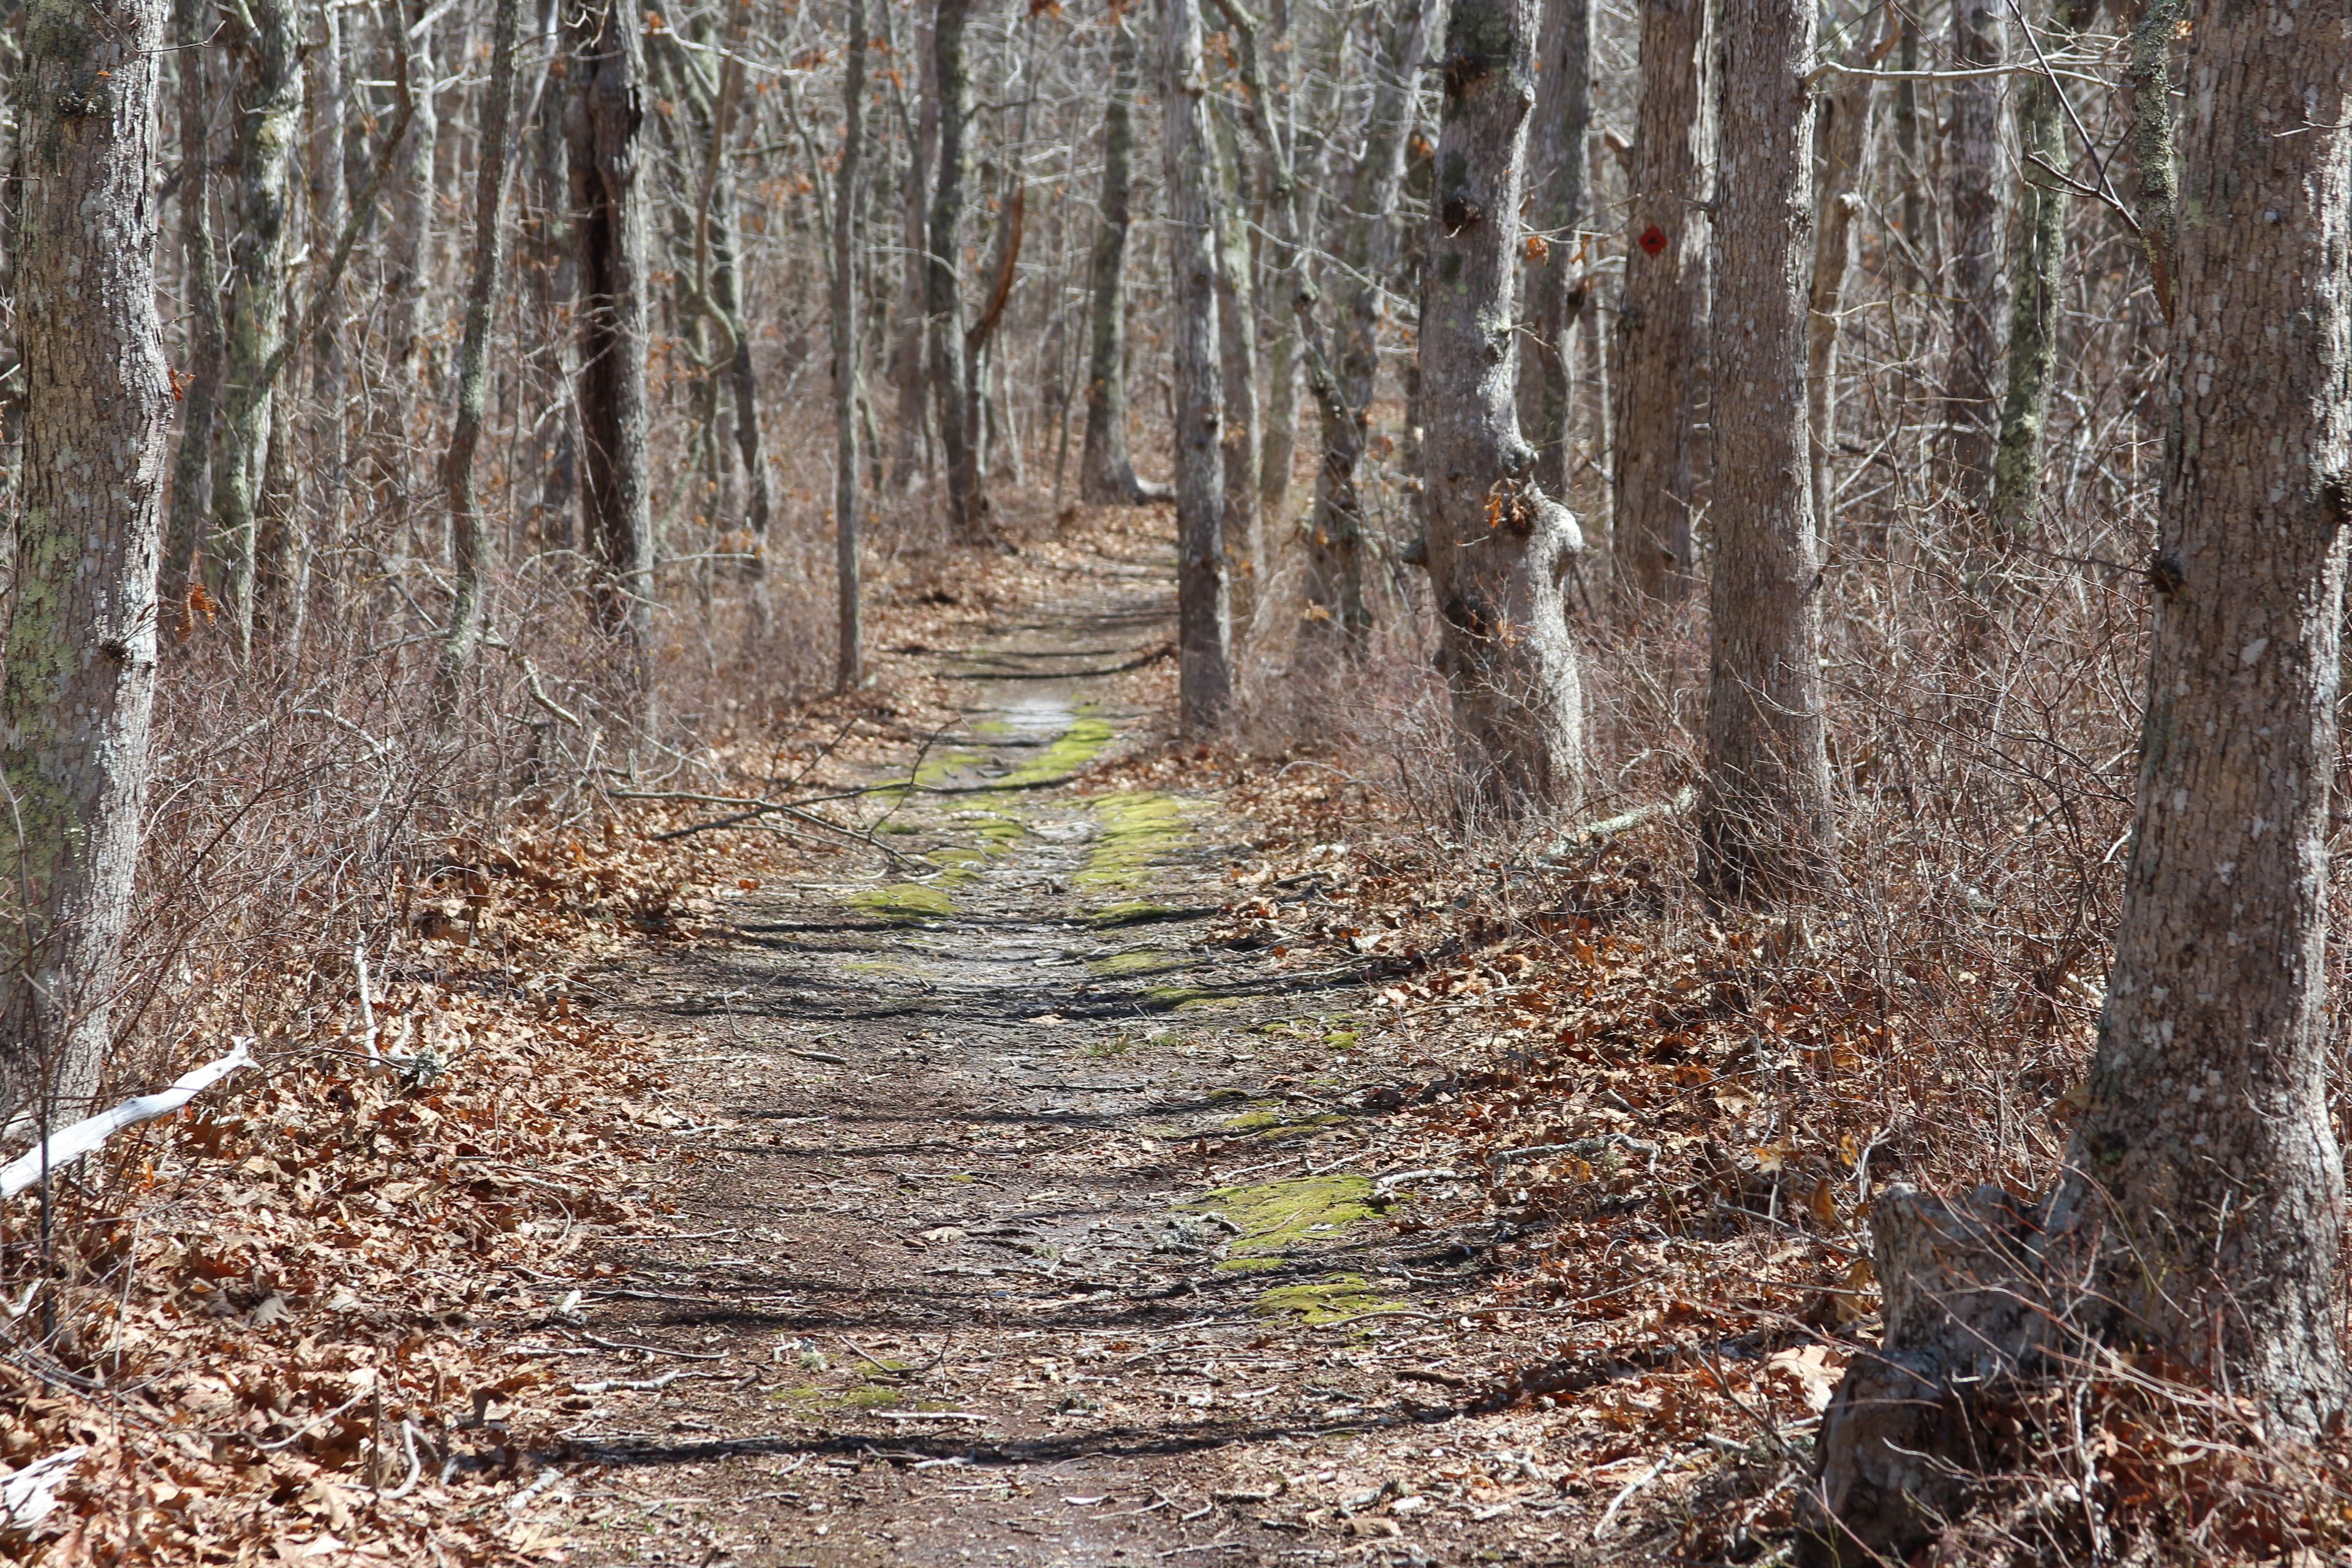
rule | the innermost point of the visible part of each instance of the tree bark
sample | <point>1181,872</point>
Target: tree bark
<point>1238,360</point>
<point>1764,824</point>
<point>1563,159</point>
<point>2198,1215</point>
<point>206,343</point>
<point>602,124</point>
<point>268,125</point>
<point>2150,79</point>
<point>1106,473</point>
<point>1841,136</point>
<point>2033,308</point>
<point>1970,412</point>
<point>469,536</point>
<point>1499,548</point>
<point>1204,675</point>
<point>408,281</point>
<point>1661,457</point>
<point>958,443</point>
<point>910,351</point>
<point>850,665</point>
<point>78,690</point>
<point>1343,382</point>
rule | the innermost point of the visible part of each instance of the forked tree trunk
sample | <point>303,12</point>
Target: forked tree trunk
<point>79,686</point>
<point>1970,412</point>
<point>268,125</point>
<point>848,664</point>
<point>1106,474</point>
<point>959,442</point>
<point>603,125</point>
<point>471,539</point>
<point>1499,548</point>
<point>1662,457</point>
<point>1561,159</point>
<point>2197,1215</point>
<point>1204,675</point>
<point>2033,308</point>
<point>1764,823</point>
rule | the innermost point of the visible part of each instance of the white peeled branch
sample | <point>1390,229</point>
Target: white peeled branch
<point>89,1135</point>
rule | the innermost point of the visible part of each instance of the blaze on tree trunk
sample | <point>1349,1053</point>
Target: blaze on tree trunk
<point>80,686</point>
<point>602,124</point>
<point>1106,474</point>
<point>1205,675</point>
<point>268,123</point>
<point>1499,548</point>
<point>1661,458</point>
<point>1764,814</point>
<point>2198,1215</point>
<point>1969,412</point>
<point>960,443</point>
<point>2034,310</point>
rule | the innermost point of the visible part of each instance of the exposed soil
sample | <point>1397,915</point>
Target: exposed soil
<point>1018,1218</point>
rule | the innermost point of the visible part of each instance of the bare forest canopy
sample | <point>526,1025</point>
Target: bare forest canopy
<point>1888,459</point>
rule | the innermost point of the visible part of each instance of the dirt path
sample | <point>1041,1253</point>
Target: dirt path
<point>1020,1221</point>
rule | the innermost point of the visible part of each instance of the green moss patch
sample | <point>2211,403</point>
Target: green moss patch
<point>1138,960</point>
<point>1278,1218</point>
<point>1076,746</point>
<point>1335,1296</point>
<point>907,901</point>
<point>1133,912</point>
<point>1137,827</point>
<point>1271,1122</point>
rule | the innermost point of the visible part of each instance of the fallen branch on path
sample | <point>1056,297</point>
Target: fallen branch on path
<point>88,1135</point>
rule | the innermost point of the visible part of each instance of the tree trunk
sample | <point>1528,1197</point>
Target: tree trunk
<point>1661,457</point>
<point>408,280</point>
<point>1106,474</point>
<point>1499,548</point>
<point>1764,825</point>
<point>849,665</point>
<point>1971,412</point>
<point>1563,159</point>
<point>2033,309</point>
<point>329,205</point>
<point>2150,77</point>
<point>205,348</point>
<point>959,442</point>
<point>469,535</point>
<point>603,123</point>
<point>268,125</point>
<point>910,352</point>
<point>2197,1218</point>
<point>1841,137</point>
<point>1238,360</point>
<point>80,686</point>
<point>1205,675</point>
<point>1343,384</point>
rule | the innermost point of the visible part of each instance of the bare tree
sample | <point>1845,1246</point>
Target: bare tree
<point>471,540</point>
<point>80,686</point>
<point>1970,409</point>
<point>1765,823</point>
<point>205,346</point>
<point>1662,455</point>
<point>602,124</point>
<point>1204,673</point>
<point>1561,159</point>
<point>1499,548</point>
<point>958,443</point>
<point>1842,135</point>
<point>848,665</point>
<point>1105,471</point>
<point>2198,1212</point>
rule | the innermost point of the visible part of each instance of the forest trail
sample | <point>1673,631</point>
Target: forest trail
<point>1019,1220</point>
